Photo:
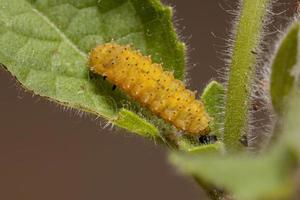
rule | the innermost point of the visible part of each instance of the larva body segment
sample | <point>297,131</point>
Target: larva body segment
<point>151,86</point>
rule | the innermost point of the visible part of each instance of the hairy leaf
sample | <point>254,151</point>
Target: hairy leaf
<point>213,99</point>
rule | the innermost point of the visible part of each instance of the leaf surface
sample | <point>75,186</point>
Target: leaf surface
<point>213,98</point>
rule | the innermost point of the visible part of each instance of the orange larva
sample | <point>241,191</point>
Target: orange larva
<point>151,86</point>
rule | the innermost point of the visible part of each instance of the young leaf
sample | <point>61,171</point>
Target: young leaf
<point>243,61</point>
<point>285,59</point>
<point>135,124</point>
<point>45,45</point>
<point>213,99</point>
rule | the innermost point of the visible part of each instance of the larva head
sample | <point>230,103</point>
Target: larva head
<point>104,57</point>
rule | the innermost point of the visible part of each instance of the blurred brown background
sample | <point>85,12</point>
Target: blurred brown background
<point>48,153</point>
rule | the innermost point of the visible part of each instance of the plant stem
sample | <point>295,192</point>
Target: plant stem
<point>247,41</point>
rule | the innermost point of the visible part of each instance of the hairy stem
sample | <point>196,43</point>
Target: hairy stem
<point>242,67</point>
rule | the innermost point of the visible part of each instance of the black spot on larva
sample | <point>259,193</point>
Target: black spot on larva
<point>104,77</point>
<point>114,87</point>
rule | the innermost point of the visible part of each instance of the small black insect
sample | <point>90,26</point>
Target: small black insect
<point>104,77</point>
<point>208,139</point>
<point>114,87</point>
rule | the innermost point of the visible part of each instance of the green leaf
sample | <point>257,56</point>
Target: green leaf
<point>242,67</point>
<point>286,58</point>
<point>134,123</point>
<point>45,45</point>
<point>213,99</point>
<point>245,177</point>
<point>290,136</point>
